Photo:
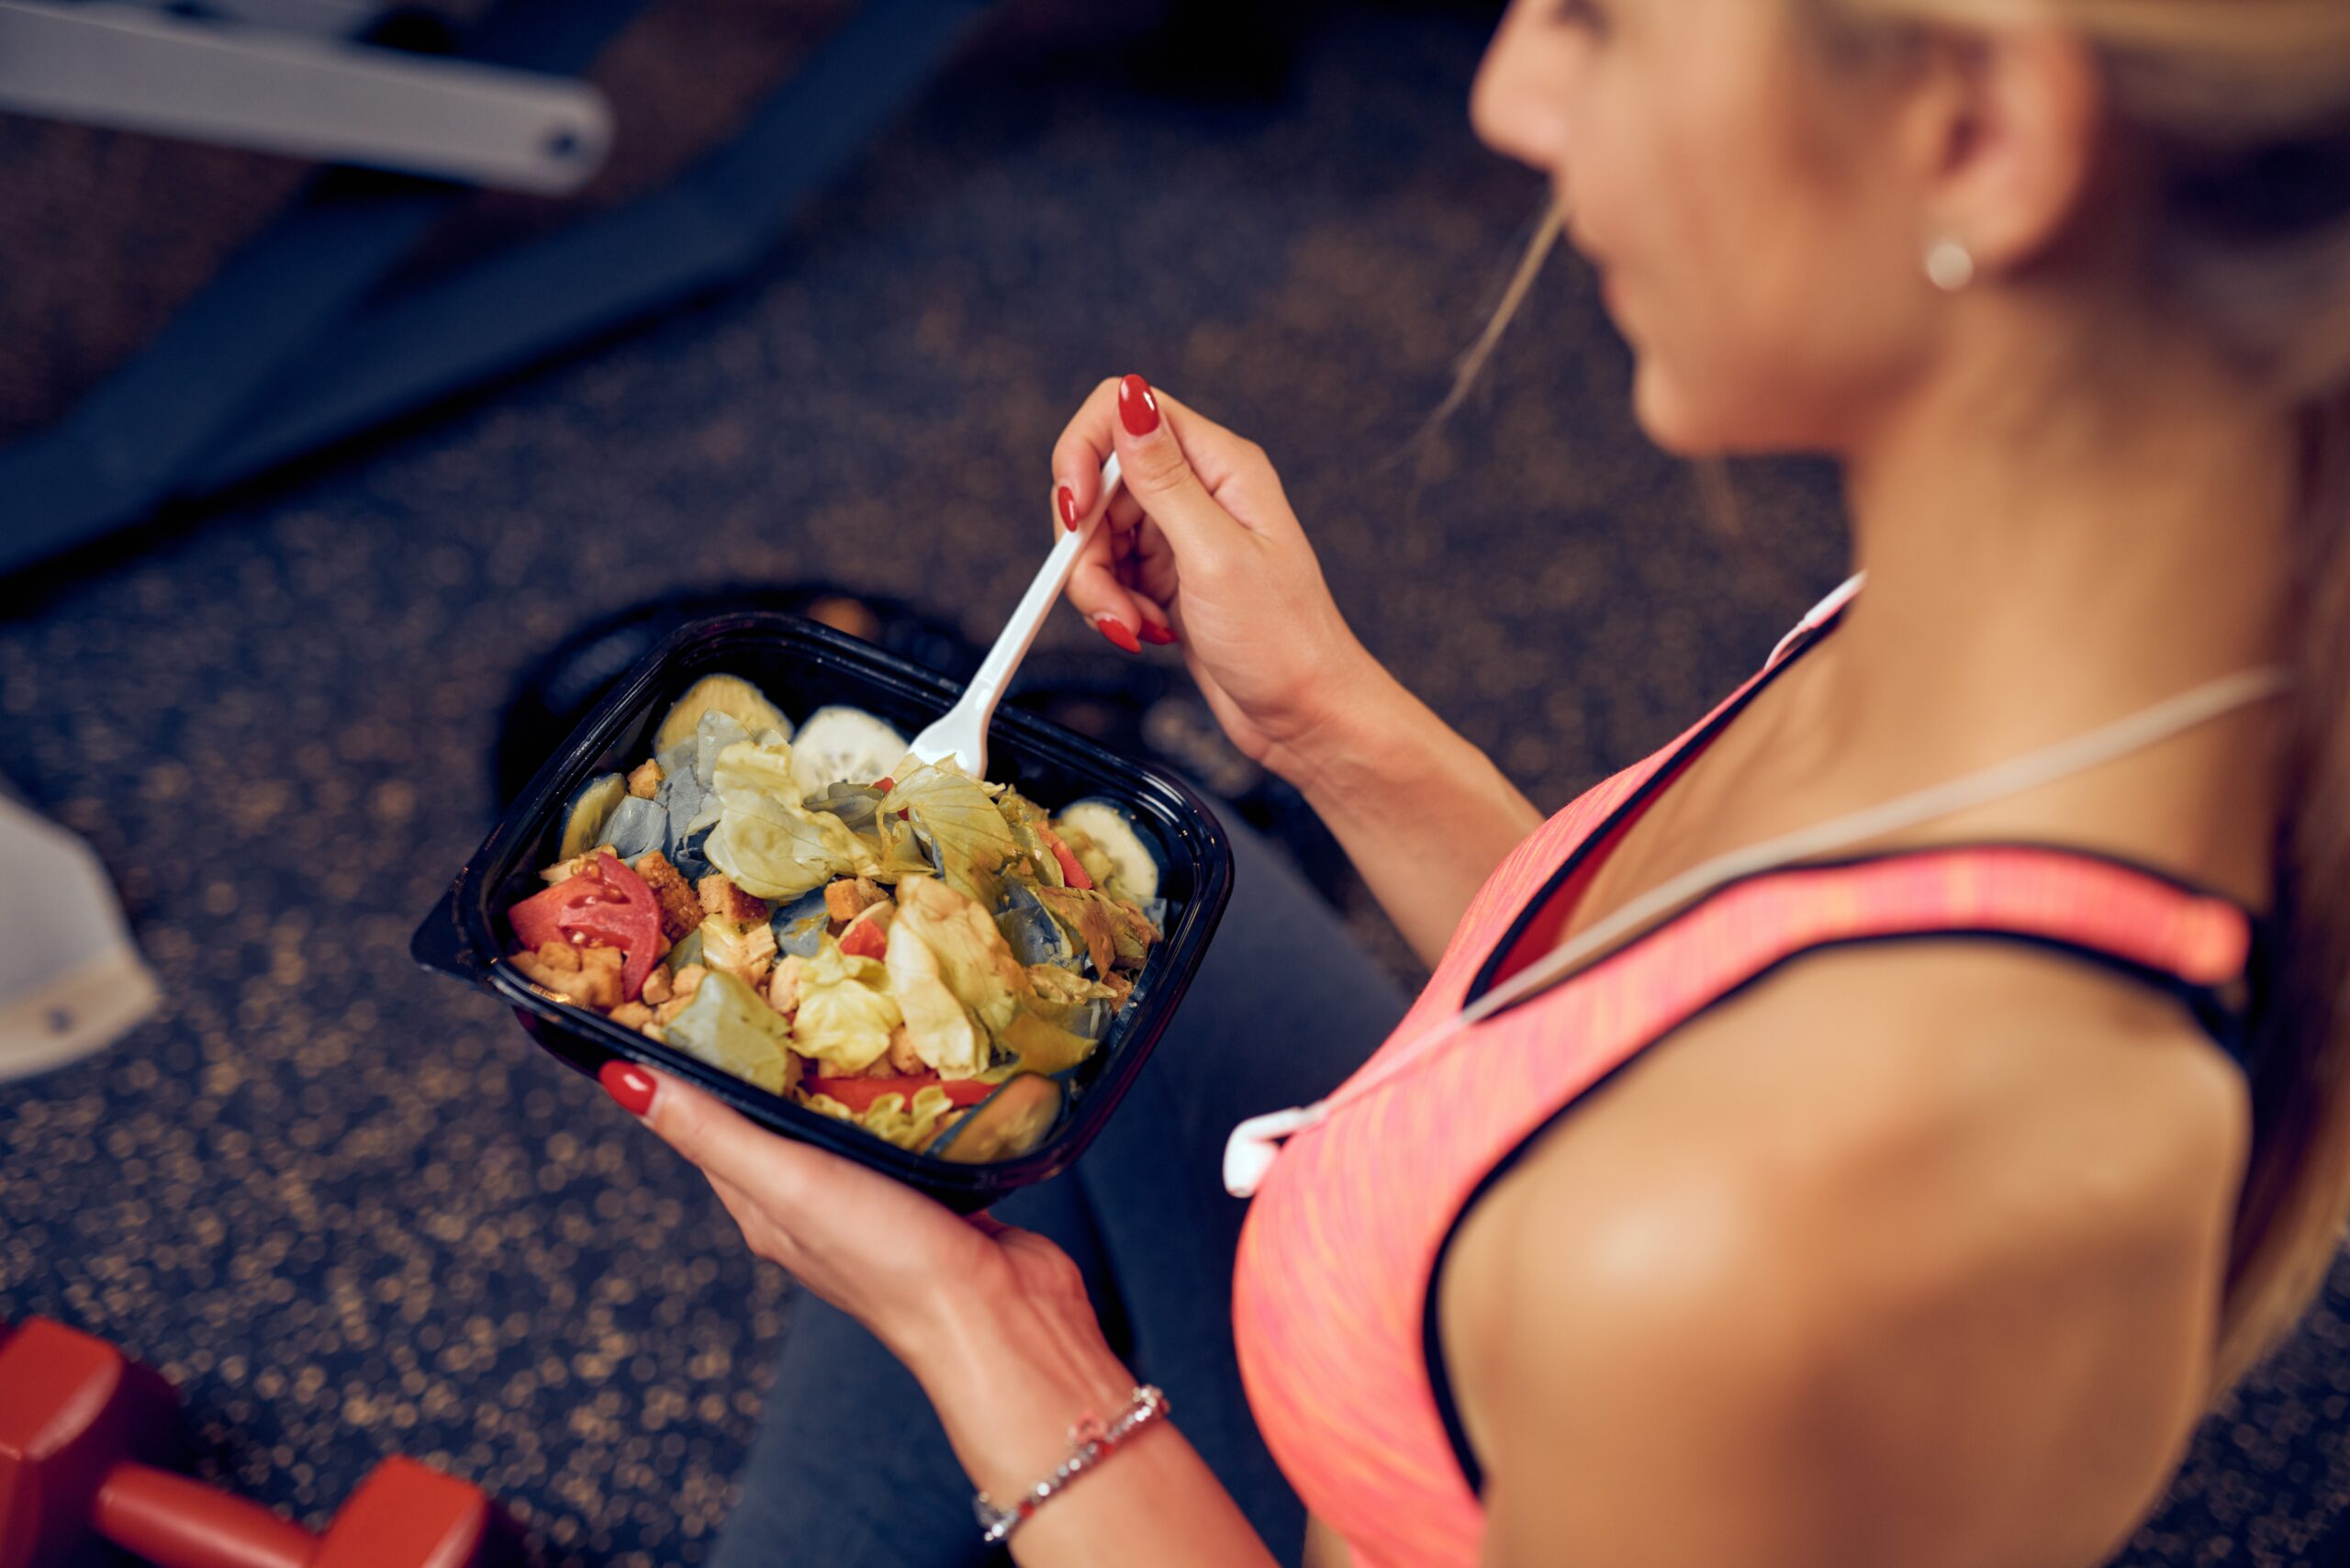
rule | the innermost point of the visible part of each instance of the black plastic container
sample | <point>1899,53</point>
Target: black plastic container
<point>802,666</point>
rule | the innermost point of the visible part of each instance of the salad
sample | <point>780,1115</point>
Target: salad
<point>882,940</point>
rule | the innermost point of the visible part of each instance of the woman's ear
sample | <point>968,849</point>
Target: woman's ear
<point>2005,140</point>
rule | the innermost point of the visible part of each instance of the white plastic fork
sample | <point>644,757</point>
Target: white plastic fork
<point>962,732</point>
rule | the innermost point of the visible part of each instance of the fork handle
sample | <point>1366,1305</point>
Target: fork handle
<point>1012,645</point>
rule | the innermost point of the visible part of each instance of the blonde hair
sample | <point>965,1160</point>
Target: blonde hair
<point>2245,106</point>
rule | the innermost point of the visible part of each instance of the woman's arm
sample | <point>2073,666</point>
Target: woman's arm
<point>1424,815</point>
<point>994,1321</point>
<point>1203,548</point>
<point>1009,1379</point>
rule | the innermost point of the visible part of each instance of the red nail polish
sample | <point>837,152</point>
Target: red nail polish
<point>627,1083</point>
<point>1110,626</point>
<point>1138,409</point>
<point>1152,632</point>
<point>1068,507</point>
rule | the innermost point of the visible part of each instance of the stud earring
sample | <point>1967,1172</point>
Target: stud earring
<point>1950,266</point>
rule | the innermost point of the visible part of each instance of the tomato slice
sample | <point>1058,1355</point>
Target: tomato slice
<point>1072,873</point>
<point>606,905</point>
<point>858,1093</point>
<point>865,939</point>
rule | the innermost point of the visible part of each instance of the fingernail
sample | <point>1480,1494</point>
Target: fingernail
<point>1152,632</point>
<point>1138,409</point>
<point>1117,630</point>
<point>627,1083</point>
<point>1068,507</point>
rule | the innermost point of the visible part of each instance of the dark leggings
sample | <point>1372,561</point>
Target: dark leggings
<point>851,1468</point>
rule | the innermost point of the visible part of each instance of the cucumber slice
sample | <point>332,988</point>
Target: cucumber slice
<point>1114,833</point>
<point>1007,1124</point>
<point>728,694</point>
<point>584,817</point>
<point>843,746</point>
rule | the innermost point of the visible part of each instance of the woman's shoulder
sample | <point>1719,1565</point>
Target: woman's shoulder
<point>1938,1227</point>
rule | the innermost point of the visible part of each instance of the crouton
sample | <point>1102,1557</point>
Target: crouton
<point>683,985</point>
<point>560,956</point>
<point>720,897</point>
<point>632,1014</point>
<point>681,909</point>
<point>656,986</point>
<point>646,782</point>
<point>845,900</point>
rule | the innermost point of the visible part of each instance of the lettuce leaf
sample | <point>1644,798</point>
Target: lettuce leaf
<point>1029,823</point>
<point>897,853</point>
<point>940,1030</point>
<point>846,1014</point>
<point>959,817</point>
<point>1113,933</point>
<point>728,1025</point>
<point>973,959</point>
<point>765,840</point>
<point>1042,1046</point>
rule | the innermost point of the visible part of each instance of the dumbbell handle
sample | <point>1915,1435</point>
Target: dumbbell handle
<point>173,1522</point>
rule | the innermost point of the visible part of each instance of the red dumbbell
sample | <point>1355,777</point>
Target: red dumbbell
<point>80,1423</point>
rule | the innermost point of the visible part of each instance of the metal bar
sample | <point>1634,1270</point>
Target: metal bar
<point>128,446</point>
<point>324,100</point>
<point>319,18</point>
<point>714,223</point>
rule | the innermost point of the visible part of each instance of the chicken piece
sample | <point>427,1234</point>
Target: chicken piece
<point>902,1058</point>
<point>564,870</point>
<point>646,782</point>
<point>845,900</point>
<point>632,1014</point>
<point>746,952</point>
<point>783,985</point>
<point>591,979</point>
<point>720,897</point>
<point>656,986</point>
<point>681,909</point>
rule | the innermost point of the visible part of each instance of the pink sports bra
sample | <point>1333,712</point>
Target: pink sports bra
<point>1334,1300</point>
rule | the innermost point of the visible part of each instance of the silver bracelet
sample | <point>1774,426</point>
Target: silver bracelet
<point>1089,1442</point>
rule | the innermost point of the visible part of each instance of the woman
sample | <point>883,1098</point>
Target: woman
<point>1744,1233</point>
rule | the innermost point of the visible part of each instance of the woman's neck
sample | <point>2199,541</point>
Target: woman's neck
<point>2056,533</point>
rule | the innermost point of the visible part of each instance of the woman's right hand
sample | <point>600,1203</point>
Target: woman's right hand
<point>1202,548</point>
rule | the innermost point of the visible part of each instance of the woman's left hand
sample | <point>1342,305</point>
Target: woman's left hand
<point>897,1261</point>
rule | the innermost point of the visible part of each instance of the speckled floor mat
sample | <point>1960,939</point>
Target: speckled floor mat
<point>348,1208</point>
